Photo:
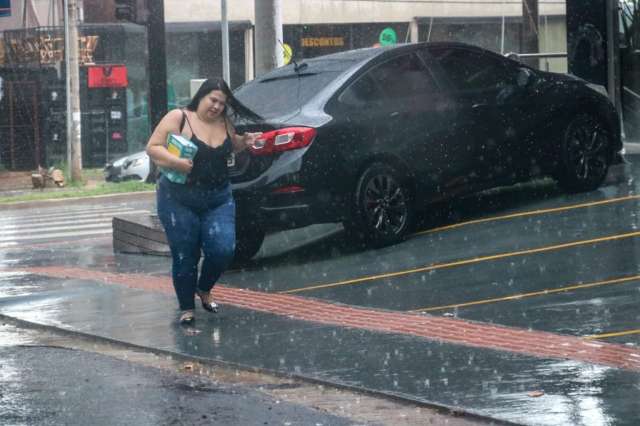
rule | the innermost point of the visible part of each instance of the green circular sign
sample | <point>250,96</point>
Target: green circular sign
<point>387,37</point>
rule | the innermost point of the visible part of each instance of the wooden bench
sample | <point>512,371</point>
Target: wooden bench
<point>141,235</point>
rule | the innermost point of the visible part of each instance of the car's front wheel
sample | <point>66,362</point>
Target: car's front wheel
<point>154,172</point>
<point>585,154</point>
<point>382,211</point>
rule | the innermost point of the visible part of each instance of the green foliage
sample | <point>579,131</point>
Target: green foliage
<point>81,190</point>
<point>630,14</point>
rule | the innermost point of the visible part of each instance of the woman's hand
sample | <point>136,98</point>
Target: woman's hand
<point>183,165</point>
<point>249,139</point>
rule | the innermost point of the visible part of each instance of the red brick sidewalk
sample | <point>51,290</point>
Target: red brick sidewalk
<point>450,330</point>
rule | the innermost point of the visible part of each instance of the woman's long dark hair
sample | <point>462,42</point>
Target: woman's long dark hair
<point>239,110</point>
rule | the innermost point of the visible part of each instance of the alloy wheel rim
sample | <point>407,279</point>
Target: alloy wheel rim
<point>385,205</point>
<point>588,151</point>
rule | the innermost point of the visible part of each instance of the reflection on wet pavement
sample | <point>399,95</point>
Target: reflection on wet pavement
<point>558,249</point>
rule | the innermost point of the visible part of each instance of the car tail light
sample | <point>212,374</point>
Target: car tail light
<point>283,140</point>
<point>291,189</point>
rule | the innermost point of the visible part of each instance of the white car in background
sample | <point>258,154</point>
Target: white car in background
<point>132,167</point>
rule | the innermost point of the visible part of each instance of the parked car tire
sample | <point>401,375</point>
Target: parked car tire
<point>154,172</point>
<point>249,239</point>
<point>585,155</point>
<point>382,207</point>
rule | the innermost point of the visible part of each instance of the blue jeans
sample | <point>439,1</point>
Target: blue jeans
<point>197,219</point>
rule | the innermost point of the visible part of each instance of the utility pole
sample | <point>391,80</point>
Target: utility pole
<point>74,147</point>
<point>226,74</point>
<point>157,62</point>
<point>269,53</point>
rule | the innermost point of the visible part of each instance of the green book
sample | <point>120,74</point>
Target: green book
<point>181,147</point>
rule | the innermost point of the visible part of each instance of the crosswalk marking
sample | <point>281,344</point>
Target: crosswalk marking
<point>45,222</point>
<point>44,216</point>
<point>30,233</point>
<point>63,234</point>
<point>59,224</point>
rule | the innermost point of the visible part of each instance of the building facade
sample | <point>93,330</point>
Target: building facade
<point>31,50</point>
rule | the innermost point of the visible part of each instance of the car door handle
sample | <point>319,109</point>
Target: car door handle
<point>394,114</point>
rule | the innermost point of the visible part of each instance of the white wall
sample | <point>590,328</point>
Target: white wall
<point>38,14</point>
<point>349,11</point>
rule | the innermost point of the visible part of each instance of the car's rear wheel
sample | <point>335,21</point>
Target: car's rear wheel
<point>249,239</point>
<point>585,154</point>
<point>382,211</point>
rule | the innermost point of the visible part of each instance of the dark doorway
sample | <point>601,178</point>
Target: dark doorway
<point>20,139</point>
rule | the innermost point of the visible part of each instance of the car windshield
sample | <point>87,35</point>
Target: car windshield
<point>284,91</point>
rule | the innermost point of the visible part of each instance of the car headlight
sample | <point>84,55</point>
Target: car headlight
<point>137,162</point>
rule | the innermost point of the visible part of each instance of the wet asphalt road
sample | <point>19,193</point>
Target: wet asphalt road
<point>42,382</point>
<point>530,257</point>
<point>48,385</point>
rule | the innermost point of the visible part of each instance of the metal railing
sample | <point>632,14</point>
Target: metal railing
<point>547,56</point>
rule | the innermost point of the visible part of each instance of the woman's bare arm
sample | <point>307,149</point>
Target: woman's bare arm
<point>157,144</point>
<point>241,142</point>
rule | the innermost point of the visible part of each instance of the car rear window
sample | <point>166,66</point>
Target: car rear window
<point>284,91</point>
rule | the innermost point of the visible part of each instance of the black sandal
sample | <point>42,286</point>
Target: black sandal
<point>187,318</point>
<point>207,305</point>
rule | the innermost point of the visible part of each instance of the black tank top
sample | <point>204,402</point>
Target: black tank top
<point>210,164</point>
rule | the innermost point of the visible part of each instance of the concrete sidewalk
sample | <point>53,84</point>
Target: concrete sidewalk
<point>482,370</point>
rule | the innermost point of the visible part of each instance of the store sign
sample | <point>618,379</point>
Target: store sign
<point>5,8</point>
<point>107,76</point>
<point>388,37</point>
<point>287,53</point>
<point>322,42</point>
<point>47,49</point>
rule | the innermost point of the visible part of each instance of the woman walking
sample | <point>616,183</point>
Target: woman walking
<point>198,216</point>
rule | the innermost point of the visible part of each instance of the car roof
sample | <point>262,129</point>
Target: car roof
<point>341,61</point>
<point>344,64</point>
<point>370,52</point>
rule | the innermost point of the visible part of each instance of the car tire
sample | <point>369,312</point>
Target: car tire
<point>585,154</point>
<point>154,173</point>
<point>382,208</point>
<point>249,239</point>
